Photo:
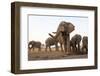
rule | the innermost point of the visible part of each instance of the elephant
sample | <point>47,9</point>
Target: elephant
<point>50,42</point>
<point>75,43</point>
<point>34,44</point>
<point>62,34</point>
<point>85,44</point>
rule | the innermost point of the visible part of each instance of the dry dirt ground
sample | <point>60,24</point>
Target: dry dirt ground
<point>47,55</point>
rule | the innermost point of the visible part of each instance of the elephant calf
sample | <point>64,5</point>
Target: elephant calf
<point>85,44</point>
<point>50,42</point>
<point>34,44</point>
<point>75,43</point>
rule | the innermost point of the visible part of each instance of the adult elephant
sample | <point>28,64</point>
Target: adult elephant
<point>85,44</point>
<point>75,43</point>
<point>34,44</point>
<point>63,34</point>
<point>50,42</point>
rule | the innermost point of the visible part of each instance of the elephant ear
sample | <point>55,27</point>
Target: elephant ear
<point>71,27</point>
<point>66,26</point>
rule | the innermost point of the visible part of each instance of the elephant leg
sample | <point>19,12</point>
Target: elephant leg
<point>57,49</point>
<point>39,49</point>
<point>78,46</point>
<point>78,50</point>
<point>29,49</point>
<point>61,47</point>
<point>86,50</point>
<point>33,49</point>
<point>46,48</point>
<point>71,49</point>
<point>49,48</point>
<point>74,49</point>
<point>82,49</point>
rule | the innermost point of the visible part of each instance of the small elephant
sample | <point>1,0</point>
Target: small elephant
<point>85,44</point>
<point>34,44</point>
<point>75,43</point>
<point>50,42</point>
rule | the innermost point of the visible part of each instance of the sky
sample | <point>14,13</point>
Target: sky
<point>40,25</point>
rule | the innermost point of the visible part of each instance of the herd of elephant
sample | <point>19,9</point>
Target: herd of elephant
<point>61,36</point>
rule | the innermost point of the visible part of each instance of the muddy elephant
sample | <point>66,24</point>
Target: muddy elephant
<point>85,44</point>
<point>62,35</point>
<point>75,43</point>
<point>50,42</point>
<point>34,44</point>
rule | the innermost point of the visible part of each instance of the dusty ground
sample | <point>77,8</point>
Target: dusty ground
<point>45,55</point>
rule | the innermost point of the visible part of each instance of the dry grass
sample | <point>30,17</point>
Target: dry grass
<point>47,54</point>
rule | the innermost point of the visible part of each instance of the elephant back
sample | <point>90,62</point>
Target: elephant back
<point>37,44</point>
<point>50,41</point>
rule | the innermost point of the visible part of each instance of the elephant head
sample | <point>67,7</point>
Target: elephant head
<point>65,27</point>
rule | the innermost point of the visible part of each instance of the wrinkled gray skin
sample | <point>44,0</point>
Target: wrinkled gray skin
<point>75,43</point>
<point>63,31</point>
<point>34,44</point>
<point>50,42</point>
<point>85,44</point>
